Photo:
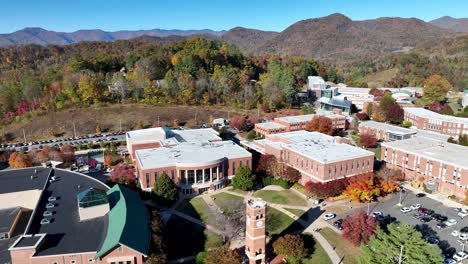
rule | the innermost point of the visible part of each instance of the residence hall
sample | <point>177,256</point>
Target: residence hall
<point>196,159</point>
<point>319,157</point>
<point>55,216</point>
<point>442,165</point>
<point>298,122</point>
<point>427,120</point>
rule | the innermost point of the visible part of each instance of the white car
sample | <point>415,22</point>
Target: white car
<point>455,233</point>
<point>329,216</point>
<point>463,237</point>
<point>415,206</point>
<point>451,222</point>
<point>405,210</point>
<point>450,261</point>
<point>459,256</point>
<point>463,213</point>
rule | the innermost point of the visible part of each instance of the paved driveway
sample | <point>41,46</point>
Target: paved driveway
<point>390,207</point>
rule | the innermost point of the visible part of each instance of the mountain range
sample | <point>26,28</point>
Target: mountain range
<point>455,24</point>
<point>334,36</point>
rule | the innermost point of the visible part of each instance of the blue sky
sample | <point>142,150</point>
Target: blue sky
<point>276,15</point>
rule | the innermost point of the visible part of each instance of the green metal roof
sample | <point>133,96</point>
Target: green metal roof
<point>128,222</point>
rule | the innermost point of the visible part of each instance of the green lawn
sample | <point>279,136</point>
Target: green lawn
<point>281,197</point>
<point>278,223</point>
<point>343,246</point>
<point>299,213</point>
<point>196,208</point>
<point>184,238</point>
<point>316,251</point>
<point>238,191</point>
<point>228,202</point>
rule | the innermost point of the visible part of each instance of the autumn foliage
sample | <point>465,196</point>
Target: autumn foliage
<point>363,188</point>
<point>327,189</point>
<point>124,173</point>
<point>320,124</point>
<point>19,160</point>
<point>367,140</point>
<point>359,228</point>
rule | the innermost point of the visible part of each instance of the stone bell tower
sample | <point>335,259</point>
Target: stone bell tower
<point>255,238</point>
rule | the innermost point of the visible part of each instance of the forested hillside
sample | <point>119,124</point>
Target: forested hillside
<point>189,72</point>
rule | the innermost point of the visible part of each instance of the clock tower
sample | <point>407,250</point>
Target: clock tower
<point>255,238</point>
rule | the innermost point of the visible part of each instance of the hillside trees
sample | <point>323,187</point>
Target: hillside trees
<point>435,89</point>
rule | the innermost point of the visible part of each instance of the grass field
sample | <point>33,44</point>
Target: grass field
<point>277,222</point>
<point>184,238</point>
<point>238,191</point>
<point>318,254</point>
<point>196,208</point>
<point>281,197</point>
<point>343,246</point>
<point>228,202</point>
<point>299,213</point>
<point>110,118</point>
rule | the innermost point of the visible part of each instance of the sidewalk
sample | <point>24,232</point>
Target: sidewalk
<point>323,242</point>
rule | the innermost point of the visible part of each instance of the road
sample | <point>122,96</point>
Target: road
<point>390,207</point>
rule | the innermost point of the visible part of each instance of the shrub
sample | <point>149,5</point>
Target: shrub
<point>244,179</point>
<point>406,124</point>
<point>272,181</point>
<point>452,197</point>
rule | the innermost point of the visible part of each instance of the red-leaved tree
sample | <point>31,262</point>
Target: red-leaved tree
<point>292,175</point>
<point>320,124</point>
<point>124,173</point>
<point>359,227</point>
<point>367,140</point>
<point>327,189</point>
<point>395,114</point>
<point>238,121</point>
<point>362,116</point>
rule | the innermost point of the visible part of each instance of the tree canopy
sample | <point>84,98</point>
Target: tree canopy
<point>244,179</point>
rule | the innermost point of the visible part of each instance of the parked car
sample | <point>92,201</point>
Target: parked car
<point>338,222</point>
<point>377,213</point>
<point>450,261</point>
<point>329,216</point>
<point>455,233</point>
<point>405,210</point>
<point>422,210</point>
<point>432,240</point>
<point>441,225</point>
<point>425,219</point>
<point>419,195</point>
<point>415,206</point>
<point>428,212</point>
<point>463,213</point>
<point>451,222</point>
<point>417,215</point>
<point>460,256</point>
<point>463,236</point>
<point>464,229</point>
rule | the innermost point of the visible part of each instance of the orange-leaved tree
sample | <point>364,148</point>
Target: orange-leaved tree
<point>320,124</point>
<point>362,188</point>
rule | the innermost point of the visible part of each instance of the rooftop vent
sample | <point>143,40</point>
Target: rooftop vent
<point>47,213</point>
<point>45,221</point>
<point>50,205</point>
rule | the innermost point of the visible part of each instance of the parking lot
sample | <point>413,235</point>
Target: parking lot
<point>390,207</point>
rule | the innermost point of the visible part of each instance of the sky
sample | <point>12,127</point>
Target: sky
<point>274,15</point>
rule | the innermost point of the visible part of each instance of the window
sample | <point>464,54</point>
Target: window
<point>129,262</point>
<point>155,175</point>
<point>233,168</point>
<point>147,180</point>
<point>90,260</point>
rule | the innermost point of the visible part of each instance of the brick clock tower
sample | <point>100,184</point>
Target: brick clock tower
<point>255,238</point>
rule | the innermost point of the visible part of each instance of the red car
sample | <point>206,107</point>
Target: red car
<point>422,210</point>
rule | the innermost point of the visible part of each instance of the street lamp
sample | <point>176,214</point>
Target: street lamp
<point>399,201</point>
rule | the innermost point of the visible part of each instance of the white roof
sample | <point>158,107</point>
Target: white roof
<point>431,134</point>
<point>435,116</point>
<point>316,146</point>
<point>306,118</point>
<point>387,127</point>
<point>190,154</point>
<point>146,135</point>
<point>169,136</point>
<point>433,149</point>
<point>270,125</point>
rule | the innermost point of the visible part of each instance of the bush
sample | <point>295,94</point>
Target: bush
<point>406,124</point>
<point>272,181</point>
<point>251,135</point>
<point>452,197</point>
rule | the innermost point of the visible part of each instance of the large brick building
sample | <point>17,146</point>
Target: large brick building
<point>196,159</point>
<point>427,120</point>
<point>444,166</point>
<point>319,157</point>
<point>296,123</point>
<point>70,218</point>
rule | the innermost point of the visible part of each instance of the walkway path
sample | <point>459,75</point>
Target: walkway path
<point>323,242</point>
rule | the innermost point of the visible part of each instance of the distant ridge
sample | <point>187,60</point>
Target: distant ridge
<point>447,22</point>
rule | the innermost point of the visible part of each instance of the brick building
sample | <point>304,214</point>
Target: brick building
<point>319,157</point>
<point>295,123</point>
<point>255,231</point>
<point>427,120</point>
<point>196,159</point>
<point>388,132</point>
<point>444,166</point>
<point>71,218</point>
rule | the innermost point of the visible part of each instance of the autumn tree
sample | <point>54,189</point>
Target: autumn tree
<point>108,160</point>
<point>124,173</point>
<point>435,88</point>
<point>326,189</point>
<point>269,166</point>
<point>362,188</point>
<point>19,160</point>
<point>359,227</point>
<point>395,114</point>
<point>320,124</point>
<point>292,175</point>
<point>378,114</point>
<point>386,102</point>
<point>223,255</point>
<point>68,153</point>
<point>367,140</point>
<point>238,122</point>
<point>292,247</point>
